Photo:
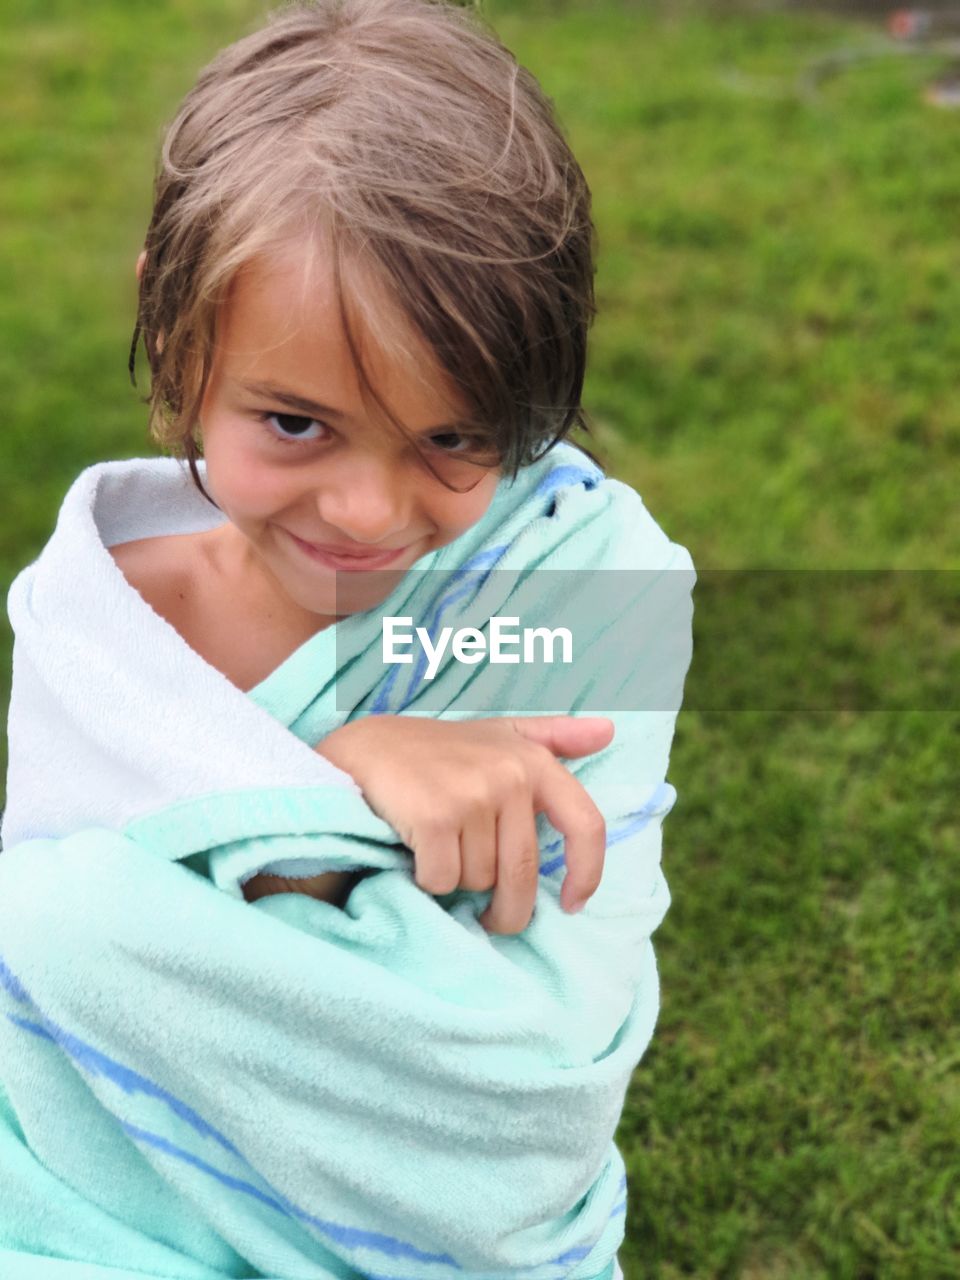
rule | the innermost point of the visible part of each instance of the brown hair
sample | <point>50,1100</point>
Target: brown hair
<point>407,137</point>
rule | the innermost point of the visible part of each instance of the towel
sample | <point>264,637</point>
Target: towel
<point>192,1085</point>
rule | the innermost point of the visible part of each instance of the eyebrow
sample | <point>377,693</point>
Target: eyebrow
<point>270,392</point>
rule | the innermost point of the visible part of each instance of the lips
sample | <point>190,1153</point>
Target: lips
<point>334,549</point>
<point>344,558</point>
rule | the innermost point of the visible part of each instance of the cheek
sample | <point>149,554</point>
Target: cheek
<point>456,513</point>
<point>477,503</point>
<point>455,517</point>
<point>241,483</point>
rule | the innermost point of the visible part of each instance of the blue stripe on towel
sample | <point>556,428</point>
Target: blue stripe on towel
<point>464,582</point>
<point>569,473</point>
<point>11,983</point>
<point>352,1237</point>
<point>181,1153</point>
<point>131,1082</point>
<point>482,560</point>
<point>635,821</point>
<point>486,559</point>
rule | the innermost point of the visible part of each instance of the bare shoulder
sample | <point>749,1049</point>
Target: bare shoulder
<point>160,569</point>
<point>231,623</point>
<point>132,558</point>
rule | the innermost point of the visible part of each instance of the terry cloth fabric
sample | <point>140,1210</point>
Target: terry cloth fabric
<point>194,1086</point>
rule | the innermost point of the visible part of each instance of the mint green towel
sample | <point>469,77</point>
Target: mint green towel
<point>196,1086</point>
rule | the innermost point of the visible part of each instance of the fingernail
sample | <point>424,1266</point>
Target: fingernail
<point>576,906</point>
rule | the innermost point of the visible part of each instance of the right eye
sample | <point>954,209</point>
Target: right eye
<point>291,428</point>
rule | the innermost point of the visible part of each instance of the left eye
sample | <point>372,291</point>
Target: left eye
<point>292,426</point>
<point>451,442</point>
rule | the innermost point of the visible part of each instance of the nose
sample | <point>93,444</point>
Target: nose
<point>366,499</point>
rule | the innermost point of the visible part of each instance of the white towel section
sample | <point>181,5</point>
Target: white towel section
<point>77,707</point>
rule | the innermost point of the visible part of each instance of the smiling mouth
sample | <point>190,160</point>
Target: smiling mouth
<point>348,560</point>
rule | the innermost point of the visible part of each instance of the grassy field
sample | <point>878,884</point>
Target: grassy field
<point>773,368</point>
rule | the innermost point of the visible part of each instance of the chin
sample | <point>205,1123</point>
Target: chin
<point>350,594</point>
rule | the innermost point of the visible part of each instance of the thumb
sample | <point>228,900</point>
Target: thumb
<point>566,735</point>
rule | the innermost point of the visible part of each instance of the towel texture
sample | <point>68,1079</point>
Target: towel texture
<point>196,1086</point>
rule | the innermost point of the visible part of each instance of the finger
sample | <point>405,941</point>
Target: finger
<point>569,736</point>
<point>570,809</point>
<point>436,857</point>
<point>478,850</point>
<point>518,869</point>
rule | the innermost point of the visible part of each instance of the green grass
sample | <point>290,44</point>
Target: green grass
<point>773,369</point>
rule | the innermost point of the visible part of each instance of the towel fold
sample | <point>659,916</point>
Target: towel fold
<point>196,1086</point>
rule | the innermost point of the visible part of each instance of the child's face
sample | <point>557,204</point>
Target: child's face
<point>281,468</point>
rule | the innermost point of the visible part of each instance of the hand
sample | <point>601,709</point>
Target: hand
<point>463,796</point>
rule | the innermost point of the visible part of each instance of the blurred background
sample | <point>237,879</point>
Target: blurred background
<point>774,367</point>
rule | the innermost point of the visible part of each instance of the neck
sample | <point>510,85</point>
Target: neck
<point>237,568</point>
